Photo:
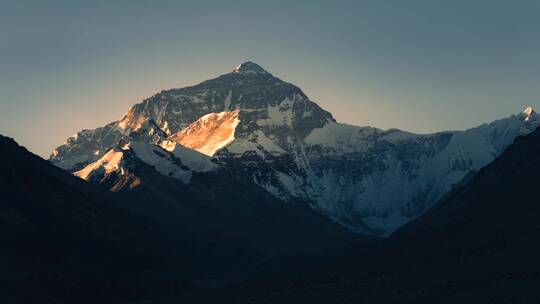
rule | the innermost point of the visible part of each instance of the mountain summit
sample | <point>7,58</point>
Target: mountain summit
<point>268,132</point>
<point>249,67</point>
<point>528,112</point>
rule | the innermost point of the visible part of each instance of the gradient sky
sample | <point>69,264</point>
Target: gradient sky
<point>421,66</point>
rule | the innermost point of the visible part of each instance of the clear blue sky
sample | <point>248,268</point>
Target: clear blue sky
<point>421,66</point>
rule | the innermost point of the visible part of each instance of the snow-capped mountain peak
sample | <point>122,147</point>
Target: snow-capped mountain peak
<point>528,113</point>
<point>109,162</point>
<point>268,131</point>
<point>249,68</point>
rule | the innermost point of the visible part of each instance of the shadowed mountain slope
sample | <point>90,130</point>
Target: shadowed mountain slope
<point>479,244</point>
<point>70,241</point>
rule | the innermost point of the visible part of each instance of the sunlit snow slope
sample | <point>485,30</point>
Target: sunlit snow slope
<point>209,133</point>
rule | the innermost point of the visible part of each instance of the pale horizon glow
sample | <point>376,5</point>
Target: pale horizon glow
<point>418,66</point>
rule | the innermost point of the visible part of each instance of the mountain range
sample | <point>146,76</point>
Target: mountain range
<point>479,244</point>
<point>266,131</point>
<point>241,189</point>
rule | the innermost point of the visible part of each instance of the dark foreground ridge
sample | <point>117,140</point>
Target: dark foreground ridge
<point>67,241</point>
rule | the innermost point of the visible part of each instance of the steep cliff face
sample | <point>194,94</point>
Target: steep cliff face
<point>269,132</point>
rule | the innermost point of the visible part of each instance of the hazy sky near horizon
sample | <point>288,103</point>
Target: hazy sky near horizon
<point>422,66</point>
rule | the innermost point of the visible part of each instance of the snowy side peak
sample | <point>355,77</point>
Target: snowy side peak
<point>249,68</point>
<point>109,162</point>
<point>528,112</point>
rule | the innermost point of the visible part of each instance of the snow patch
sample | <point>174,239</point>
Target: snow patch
<point>528,112</point>
<point>194,160</point>
<point>257,142</point>
<point>110,162</point>
<point>227,101</point>
<point>249,68</point>
<point>158,158</point>
<point>280,114</point>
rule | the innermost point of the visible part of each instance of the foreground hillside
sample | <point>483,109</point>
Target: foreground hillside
<point>68,241</point>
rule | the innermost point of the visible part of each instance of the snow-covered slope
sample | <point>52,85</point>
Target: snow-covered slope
<point>209,133</point>
<point>269,132</point>
<point>110,162</point>
<point>386,178</point>
<point>146,146</point>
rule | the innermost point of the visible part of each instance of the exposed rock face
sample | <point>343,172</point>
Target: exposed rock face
<point>269,132</point>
